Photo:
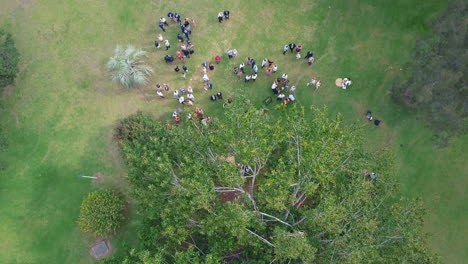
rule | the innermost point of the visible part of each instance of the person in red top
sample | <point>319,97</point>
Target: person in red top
<point>217,59</point>
<point>179,55</point>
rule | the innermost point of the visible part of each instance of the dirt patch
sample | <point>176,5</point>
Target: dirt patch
<point>7,90</point>
<point>229,196</point>
<point>16,119</point>
<point>25,3</point>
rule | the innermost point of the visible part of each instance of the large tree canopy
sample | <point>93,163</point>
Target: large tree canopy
<point>251,188</point>
<point>437,86</point>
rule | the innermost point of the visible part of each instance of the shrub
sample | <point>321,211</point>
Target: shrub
<point>101,212</point>
<point>128,68</point>
<point>9,58</point>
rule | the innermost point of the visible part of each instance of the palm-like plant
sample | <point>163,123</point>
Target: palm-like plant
<point>128,68</point>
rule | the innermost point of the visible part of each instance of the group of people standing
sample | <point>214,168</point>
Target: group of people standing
<point>248,70</point>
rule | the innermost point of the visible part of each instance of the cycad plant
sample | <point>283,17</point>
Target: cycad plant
<point>128,68</point>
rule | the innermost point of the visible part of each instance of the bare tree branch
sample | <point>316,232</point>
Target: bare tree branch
<point>259,237</point>
<point>276,218</point>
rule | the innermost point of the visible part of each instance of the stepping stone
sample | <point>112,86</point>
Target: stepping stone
<point>100,249</point>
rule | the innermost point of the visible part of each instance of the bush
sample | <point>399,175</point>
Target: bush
<point>101,212</point>
<point>9,58</point>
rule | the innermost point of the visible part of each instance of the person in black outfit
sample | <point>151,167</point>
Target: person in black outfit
<point>292,46</point>
<point>169,58</point>
<point>213,98</point>
<point>309,54</point>
<point>219,95</point>
<point>226,14</point>
<point>176,69</point>
<point>377,122</point>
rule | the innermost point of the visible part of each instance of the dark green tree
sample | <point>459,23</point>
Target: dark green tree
<point>250,188</point>
<point>9,58</point>
<point>437,86</point>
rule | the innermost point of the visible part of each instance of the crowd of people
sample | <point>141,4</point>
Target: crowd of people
<point>248,70</point>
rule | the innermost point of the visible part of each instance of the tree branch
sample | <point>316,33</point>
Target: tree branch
<point>259,237</point>
<point>276,218</point>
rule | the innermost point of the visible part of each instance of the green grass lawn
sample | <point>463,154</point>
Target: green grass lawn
<point>59,116</point>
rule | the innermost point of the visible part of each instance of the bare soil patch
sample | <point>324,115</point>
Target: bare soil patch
<point>7,90</point>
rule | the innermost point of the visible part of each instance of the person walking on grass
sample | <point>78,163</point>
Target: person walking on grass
<point>311,60</point>
<point>177,17</point>
<point>299,48</point>
<point>161,25</point>
<point>180,38</point>
<point>298,55</point>
<point>186,33</point>
<point>254,77</point>
<point>167,44</point>
<point>275,68</point>
<point>241,67</point>
<point>160,94</point>
<point>292,46</point>
<point>309,54</point>
<point>226,14</point>
<point>162,20</point>
<point>252,62</point>
<point>157,45</point>
<point>184,68</point>
<point>264,62</point>
<point>220,17</point>
<point>248,77</point>
<point>255,69</point>
<point>239,75</point>
<point>176,69</point>
<point>191,97</point>
<point>285,49</point>
<point>170,15</point>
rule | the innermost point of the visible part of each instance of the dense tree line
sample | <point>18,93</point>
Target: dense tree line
<point>249,189</point>
<point>437,86</point>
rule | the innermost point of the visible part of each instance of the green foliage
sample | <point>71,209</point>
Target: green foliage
<point>9,58</point>
<point>128,68</point>
<point>305,198</point>
<point>437,86</point>
<point>101,212</point>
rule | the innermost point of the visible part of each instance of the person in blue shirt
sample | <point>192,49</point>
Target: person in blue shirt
<point>177,16</point>
<point>180,38</point>
<point>186,33</point>
<point>170,15</point>
<point>185,68</point>
<point>161,25</point>
<point>226,14</point>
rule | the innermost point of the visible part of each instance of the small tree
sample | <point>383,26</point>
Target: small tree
<point>101,212</point>
<point>128,68</point>
<point>9,58</point>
